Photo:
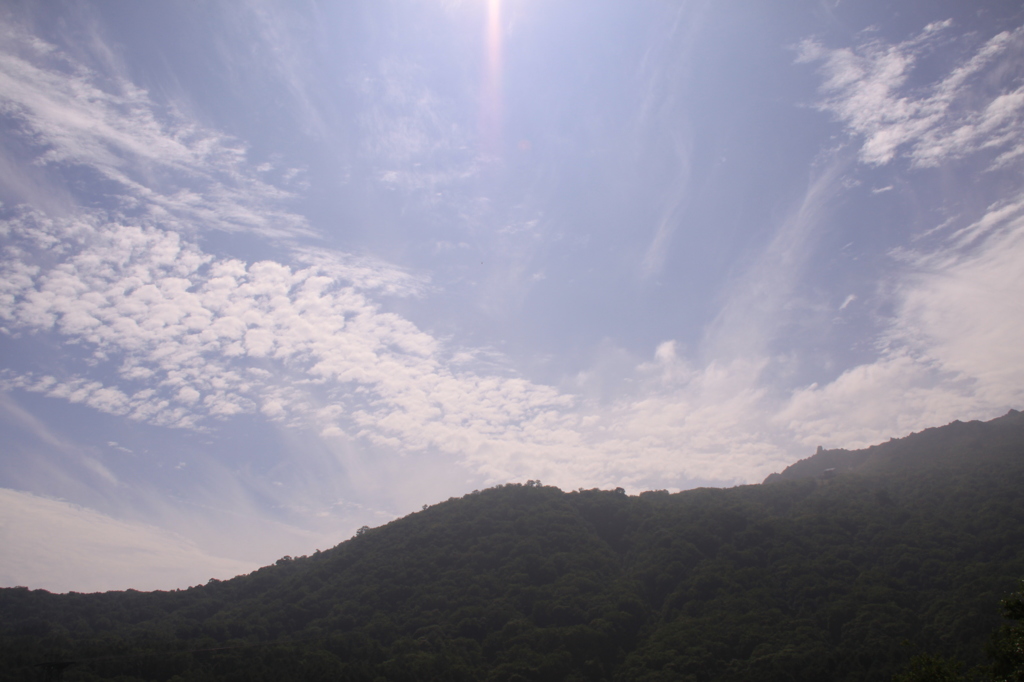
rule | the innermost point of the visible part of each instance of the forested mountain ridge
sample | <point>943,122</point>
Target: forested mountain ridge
<point>957,445</point>
<point>905,547</point>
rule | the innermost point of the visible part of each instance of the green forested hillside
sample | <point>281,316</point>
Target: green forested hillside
<point>842,567</point>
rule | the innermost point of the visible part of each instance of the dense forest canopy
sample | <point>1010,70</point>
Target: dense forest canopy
<point>853,565</point>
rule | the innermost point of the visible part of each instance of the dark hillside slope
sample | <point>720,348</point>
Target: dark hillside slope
<point>911,543</point>
<point>958,446</point>
<point>803,578</point>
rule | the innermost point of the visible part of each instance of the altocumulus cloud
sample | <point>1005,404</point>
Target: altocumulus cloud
<point>193,338</point>
<point>160,331</point>
<point>185,338</point>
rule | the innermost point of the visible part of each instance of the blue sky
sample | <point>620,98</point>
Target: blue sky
<point>272,271</point>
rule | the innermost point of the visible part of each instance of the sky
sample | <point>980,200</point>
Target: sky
<point>272,271</point>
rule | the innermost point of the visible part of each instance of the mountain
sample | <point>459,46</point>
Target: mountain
<point>841,567</point>
<point>955,446</point>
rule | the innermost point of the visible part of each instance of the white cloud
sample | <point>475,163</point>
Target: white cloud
<point>704,424</point>
<point>952,350</point>
<point>162,332</point>
<point>192,337</point>
<point>978,105</point>
<point>364,272</point>
<point>964,306</point>
<point>767,296</point>
<point>414,138</point>
<point>168,169</point>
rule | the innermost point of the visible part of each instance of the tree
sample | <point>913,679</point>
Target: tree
<point>928,668</point>
<point>1007,650</point>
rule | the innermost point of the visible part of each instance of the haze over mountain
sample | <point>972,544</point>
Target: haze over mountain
<point>272,271</point>
<point>843,567</point>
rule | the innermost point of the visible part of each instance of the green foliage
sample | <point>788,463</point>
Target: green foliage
<point>928,668</point>
<point>803,578</point>
<point>1007,648</point>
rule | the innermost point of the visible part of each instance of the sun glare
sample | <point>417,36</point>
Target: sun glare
<point>491,105</point>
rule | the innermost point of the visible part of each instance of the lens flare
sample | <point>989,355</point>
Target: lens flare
<point>491,105</point>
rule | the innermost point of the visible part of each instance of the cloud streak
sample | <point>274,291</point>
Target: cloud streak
<point>977,106</point>
<point>949,349</point>
<point>158,327</point>
<point>169,335</point>
<point>166,169</point>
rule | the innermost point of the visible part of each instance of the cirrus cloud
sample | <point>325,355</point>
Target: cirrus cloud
<point>978,105</point>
